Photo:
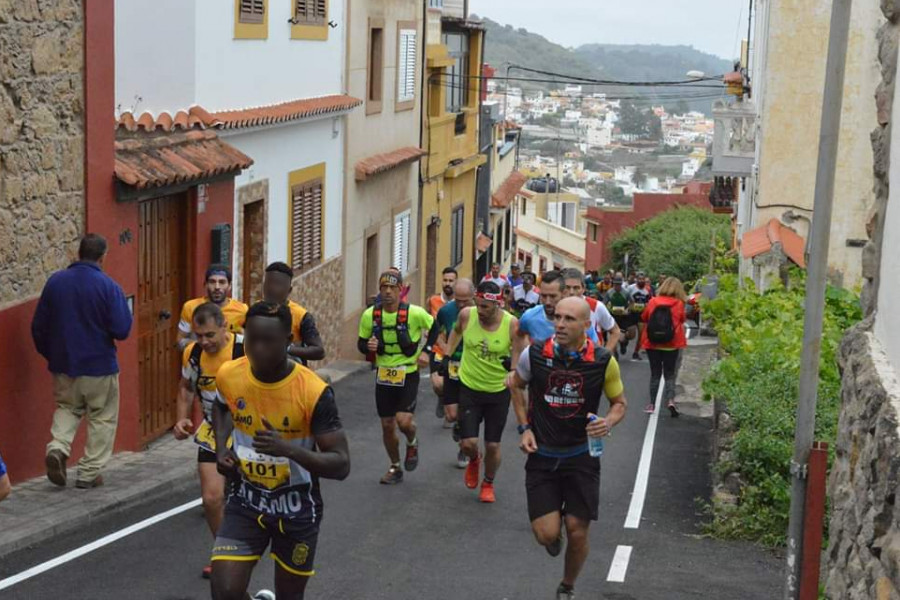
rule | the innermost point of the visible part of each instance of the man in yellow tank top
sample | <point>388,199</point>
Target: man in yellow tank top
<point>306,343</point>
<point>286,435</point>
<point>218,291</point>
<point>490,348</point>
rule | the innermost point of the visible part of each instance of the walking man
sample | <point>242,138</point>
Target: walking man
<point>464,297</point>
<point>218,291</point>
<point>490,345</point>
<point>81,314</point>
<point>393,329</point>
<point>565,377</point>
<point>214,347</point>
<point>306,343</point>
<point>287,435</point>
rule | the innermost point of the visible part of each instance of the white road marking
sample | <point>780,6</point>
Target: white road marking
<point>636,507</point>
<point>619,565</point>
<point>104,541</point>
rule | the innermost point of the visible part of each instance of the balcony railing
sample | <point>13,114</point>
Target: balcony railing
<point>734,140</point>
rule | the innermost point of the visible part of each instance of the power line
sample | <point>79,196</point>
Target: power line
<point>615,82</point>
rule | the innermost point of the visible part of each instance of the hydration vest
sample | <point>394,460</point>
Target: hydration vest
<point>407,346</point>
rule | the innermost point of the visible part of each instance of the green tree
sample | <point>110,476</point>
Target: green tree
<point>676,242</point>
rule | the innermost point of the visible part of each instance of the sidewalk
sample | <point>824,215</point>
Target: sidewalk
<point>38,510</point>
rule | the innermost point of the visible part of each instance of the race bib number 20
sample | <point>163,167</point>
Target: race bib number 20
<point>392,376</point>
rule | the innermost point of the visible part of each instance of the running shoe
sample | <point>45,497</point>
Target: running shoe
<point>207,571</point>
<point>556,547</point>
<point>486,494</point>
<point>412,457</point>
<point>439,409</point>
<point>473,473</point>
<point>456,435</point>
<point>264,595</point>
<point>564,593</point>
<point>394,475</point>
<point>636,356</point>
<point>462,461</point>
<point>672,408</point>
<point>649,409</point>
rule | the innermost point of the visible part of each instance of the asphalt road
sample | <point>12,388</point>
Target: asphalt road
<point>430,538</point>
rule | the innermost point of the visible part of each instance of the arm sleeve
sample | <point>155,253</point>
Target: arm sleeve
<point>119,323</point>
<point>612,385</point>
<point>309,333</point>
<point>325,418</point>
<point>433,335</point>
<point>523,369</point>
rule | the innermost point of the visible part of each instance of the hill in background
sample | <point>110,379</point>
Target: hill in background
<point>638,62</point>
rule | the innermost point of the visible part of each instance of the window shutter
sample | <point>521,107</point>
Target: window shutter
<point>321,11</point>
<point>406,66</point>
<point>301,10</point>
<point>401,242</point>
<point>252,11</point>
<point>306,225</point>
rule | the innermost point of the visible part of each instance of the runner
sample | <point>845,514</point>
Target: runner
<point>605,284</point>
<point>618,301</point>
<point>490,347</point>
<point>640,297</point>
<point>214,347</point>
<point>496,276</point>
<point>515,275</point>
<point>218,291</point>
<point>306,343</point>
<point>464,297</point>
<point>287,434</point>
<point>435,303</point>
<point>565,378</point>
<point>524,295</point>
<point>663,338</point>
<point>537,322</point>
<point>602,322</point>
<point>392,329</point>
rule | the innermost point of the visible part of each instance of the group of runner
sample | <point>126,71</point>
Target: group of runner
<point>283,432</point>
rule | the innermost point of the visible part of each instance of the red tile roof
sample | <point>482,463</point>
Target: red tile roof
<point>763,239</point>
<point>507,191</point>
<point>156,160</point>
<point>380,163</point>
<point>199,118</point>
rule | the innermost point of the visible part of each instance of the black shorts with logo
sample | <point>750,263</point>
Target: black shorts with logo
<point>389,400</point>
<point>475,407</point>
<point>245,534</point>
<point>451,386</point>
<point>568,485</point>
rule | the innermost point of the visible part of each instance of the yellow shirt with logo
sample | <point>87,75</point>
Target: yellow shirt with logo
<point>273,485</point>
<point>203,375</point>
<point>235,313</point>
<point>297,315</point>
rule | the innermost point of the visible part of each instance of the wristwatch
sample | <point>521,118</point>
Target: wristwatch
<point>523,428</point>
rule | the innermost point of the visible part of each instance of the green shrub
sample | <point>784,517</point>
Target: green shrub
<point>761,336</point>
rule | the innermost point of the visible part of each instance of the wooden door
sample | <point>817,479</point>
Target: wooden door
<point>254,260</point>
<point>162,283</point>
<point>431,240</point>
<point>371,267</point>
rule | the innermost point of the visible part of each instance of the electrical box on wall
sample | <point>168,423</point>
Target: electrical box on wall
<point>221,244</point>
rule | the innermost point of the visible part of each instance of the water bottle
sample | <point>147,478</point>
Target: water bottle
<point>595,444</point>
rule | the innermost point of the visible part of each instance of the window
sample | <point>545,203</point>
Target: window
<point>252,11</point>
<point>375,66</point>
<point>400,257</point>
<point>435,3</point>
<point>524,206</point>
<point>310,12</point>
<point>457,75</point>
<point>498,243</point>
<point>306,225</point>
<point>557,266</point>
<point>507,243</point>
<point>251,19</point>
<point>457,228</point>
<point>542,262</point>
<point>406,66</point>
<point>592,232</point>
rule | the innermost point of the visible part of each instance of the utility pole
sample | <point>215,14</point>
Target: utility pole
<point>817,269</point>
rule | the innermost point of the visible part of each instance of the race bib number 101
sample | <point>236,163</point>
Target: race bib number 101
<point>262,470</point>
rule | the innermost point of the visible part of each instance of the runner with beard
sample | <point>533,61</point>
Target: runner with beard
<point>640,298</point>
<point>435,303</point>
<point>218,291</point>
<point>537,322</point>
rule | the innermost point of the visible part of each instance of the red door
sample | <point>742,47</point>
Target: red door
<point>162,278</point>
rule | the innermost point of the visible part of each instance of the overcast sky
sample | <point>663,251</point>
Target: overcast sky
<point>708,25</point>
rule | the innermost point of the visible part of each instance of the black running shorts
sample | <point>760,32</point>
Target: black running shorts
<point>244,535</point>
<point>205,456</point>
<point>389,400</point>
<point>568,485</point>
<point>475,407</point>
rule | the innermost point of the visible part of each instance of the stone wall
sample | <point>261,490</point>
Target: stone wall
<point>321,291</point>
<point>863,557</point>
<point>41,142</point>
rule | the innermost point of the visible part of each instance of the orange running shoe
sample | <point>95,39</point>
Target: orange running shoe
<point>473,473</point>
<point>487,492</point>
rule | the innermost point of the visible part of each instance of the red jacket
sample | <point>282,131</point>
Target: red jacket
<point>677,307</point>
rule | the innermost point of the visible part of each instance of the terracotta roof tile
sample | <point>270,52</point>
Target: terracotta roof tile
<point>381,163</point>
<point>763,239</point>
<point>161,159</point>
<point>163,122</point>
<point>277,113</point>
<point>507,191</point>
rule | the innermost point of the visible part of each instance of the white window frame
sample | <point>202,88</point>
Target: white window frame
<point>406,65</point>
<point>400,250</point>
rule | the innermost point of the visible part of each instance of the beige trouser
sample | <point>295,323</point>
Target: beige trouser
<point>96,397</point>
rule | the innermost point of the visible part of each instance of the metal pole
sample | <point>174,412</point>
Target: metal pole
<point>817,269</point>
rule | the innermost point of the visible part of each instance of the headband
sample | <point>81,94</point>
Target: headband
<point>489,296</point>
<point>389,279</point>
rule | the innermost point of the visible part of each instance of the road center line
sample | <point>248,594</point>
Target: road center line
<point>636,507</point>
<point>619,565</point>
<point>104,541</point>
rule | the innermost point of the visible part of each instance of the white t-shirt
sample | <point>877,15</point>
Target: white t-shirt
<point>601,319</point>
<point>530,297</point>
<point>501,281</point>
